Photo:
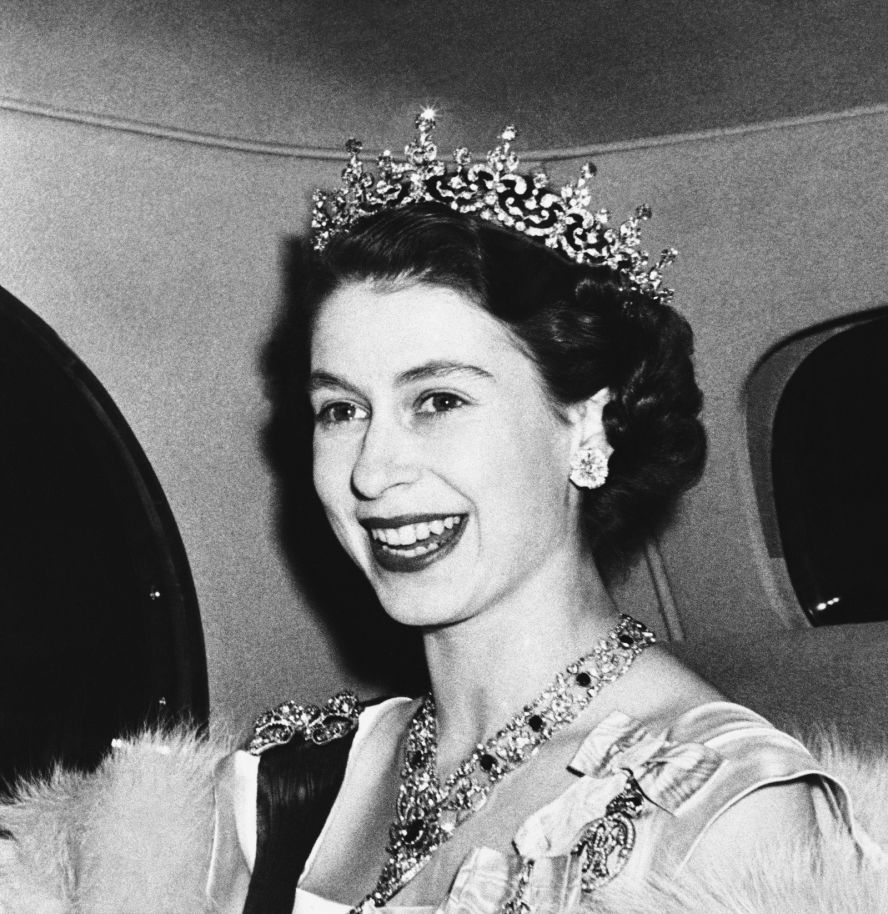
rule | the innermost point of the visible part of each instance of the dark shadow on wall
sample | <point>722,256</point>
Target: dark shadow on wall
<point>376,648</point>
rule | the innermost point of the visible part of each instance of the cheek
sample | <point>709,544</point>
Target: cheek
<point>331,476</point>
<point>525,470</point>
<point>320,468</point>
<point>332,483</point>
<point>531,447</point>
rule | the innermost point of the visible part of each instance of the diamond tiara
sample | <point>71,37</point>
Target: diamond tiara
<point>494,190</point>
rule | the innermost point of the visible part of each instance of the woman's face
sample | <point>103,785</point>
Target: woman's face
<point>440,463</point>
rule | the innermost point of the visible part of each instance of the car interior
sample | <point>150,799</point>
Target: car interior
<point>155,167</point>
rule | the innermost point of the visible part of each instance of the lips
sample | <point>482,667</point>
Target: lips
<point>412,542</point>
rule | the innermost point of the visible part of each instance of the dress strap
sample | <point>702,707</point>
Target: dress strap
<point>296,786</point>
<point>273,801</point>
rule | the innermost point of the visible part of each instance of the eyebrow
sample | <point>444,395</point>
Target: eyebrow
<point>434,370</point>
<point>323,379</point>
<point>441,369</point>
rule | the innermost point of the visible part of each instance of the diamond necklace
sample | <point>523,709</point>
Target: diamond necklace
<point>428,812</point>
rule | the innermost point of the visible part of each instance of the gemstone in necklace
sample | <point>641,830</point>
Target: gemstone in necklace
<point>427,812</point>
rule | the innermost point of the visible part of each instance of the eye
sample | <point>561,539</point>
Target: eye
<point>439,402</point>
<point>340,412</point>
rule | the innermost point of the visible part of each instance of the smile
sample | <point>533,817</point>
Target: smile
<point>411,543</point>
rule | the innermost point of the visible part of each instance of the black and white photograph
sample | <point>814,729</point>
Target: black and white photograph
<point>442,460</point>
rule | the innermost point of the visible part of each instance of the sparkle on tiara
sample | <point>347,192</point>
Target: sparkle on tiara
<point>494,190</point>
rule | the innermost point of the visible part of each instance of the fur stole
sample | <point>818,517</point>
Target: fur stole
<point>134,837</point>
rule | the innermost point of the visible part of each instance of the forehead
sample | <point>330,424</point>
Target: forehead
<point>362,324</point>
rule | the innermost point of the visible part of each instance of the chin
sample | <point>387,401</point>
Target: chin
<point>419,605</point>
<point>419,589</point>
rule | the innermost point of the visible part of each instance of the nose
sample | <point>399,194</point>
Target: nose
<point>386,459</point>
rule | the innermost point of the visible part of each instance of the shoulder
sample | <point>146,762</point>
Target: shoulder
<point>767,852</point>
<point>295,745</point>
<point>659,689</point>
<point>340,718</point>
<point>791,842</point>
<point>769,816</point>
<point>757,787</point>
<point>716,774</point>
<point>274,796</point>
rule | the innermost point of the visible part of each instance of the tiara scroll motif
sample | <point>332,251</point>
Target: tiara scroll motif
<point>493,190</point>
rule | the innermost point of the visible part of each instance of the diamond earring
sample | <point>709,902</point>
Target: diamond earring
<point>588,468</point>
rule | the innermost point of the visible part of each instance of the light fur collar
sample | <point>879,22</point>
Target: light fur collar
<point>134,837</point>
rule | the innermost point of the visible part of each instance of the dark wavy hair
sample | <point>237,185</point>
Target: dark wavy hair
<point>583,330</point>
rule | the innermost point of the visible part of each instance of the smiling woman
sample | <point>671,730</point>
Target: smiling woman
<point>501,408</point>
<point>438,416</point>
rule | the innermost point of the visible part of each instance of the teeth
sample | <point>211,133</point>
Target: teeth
<point>419,550</point>
<point>411,533</point>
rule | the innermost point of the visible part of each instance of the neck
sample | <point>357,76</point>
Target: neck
<point>485,669</point>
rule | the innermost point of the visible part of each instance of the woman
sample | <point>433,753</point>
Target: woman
<point>504,409</point>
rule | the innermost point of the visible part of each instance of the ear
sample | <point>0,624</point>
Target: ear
<point>587,425</point>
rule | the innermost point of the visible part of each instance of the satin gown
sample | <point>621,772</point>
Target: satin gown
<point>689,774</point>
